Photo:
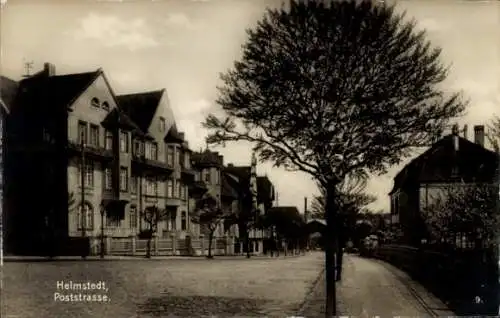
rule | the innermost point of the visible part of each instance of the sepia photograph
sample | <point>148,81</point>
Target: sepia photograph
<point>249,158</point>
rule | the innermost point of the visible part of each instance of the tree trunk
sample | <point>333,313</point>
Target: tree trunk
<point>330,245</point>
<point>247,243</point>
<point>148,249</point>
<point>340,257</point>
<point>210,239</point>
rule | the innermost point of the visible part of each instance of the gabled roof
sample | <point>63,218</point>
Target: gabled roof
<point>58,91</point>
<point>8,91</point>
<point>242,172</point>
<point>207,158</point>
<point>229,187</point>
<point>173,135</point>
<point>141,107</point>
<point>118,117</point>
<point>473,160</point>
<point>265,191</point>
<point>291,210</point>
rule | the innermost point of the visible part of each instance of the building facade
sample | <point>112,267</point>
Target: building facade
<point>92,161</point>
<point>208,166</point>
<point>451,161</point>
<point>8,90</point>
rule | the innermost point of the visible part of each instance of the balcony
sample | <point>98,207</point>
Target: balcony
<point>118,231</point>
<point>91,152</point>
<point>197,188</point>
<point>141,162</point>
<point>188,175</point>
<point>173,202</point>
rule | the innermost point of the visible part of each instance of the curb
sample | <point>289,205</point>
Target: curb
<point>437,309</point>
<point>30,259</point>
<point>310,293</point>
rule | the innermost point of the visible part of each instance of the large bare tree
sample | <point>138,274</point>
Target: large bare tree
<point>333,88</point>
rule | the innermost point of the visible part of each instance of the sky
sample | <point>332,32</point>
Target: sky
<point>183,46</point>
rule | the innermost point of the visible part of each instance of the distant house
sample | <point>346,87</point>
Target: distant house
<point>208,165</point>
<point>255,197</point>
<point>452,160</point>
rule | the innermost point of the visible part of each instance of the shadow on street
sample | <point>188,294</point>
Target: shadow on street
<point>186,306</point>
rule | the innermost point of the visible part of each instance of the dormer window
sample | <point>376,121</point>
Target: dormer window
<point>95,102</point>
<point>162,124</point>
<point>105,105</point>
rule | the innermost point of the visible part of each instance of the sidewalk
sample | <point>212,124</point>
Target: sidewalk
<point>17,258</point>
<point>372,288</point>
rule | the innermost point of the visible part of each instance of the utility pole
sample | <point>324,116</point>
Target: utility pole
<point>82,180</point>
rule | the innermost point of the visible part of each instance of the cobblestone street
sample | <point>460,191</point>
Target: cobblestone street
<point>159,288</point>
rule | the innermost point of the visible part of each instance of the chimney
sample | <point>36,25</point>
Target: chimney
<point>455,133</point>
<point>465,131</point>
<point>49,69</point>
<point>479,135</point>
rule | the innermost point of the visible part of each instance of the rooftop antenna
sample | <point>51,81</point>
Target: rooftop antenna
<point>28,65</point>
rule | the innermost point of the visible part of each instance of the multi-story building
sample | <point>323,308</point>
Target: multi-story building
<point>81,157</point>
<point>8,90</point>
<point>451,161</point>
<point>256,196</point>
<point>208,166</point>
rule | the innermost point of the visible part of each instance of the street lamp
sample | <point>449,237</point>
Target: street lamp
<point>102,210</point>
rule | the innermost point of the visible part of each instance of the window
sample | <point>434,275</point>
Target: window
<point>177,156</point>
<point>181,191</point>
<point>162,124</point>
<point>109,140</point>
<point>151,186</point>
<point>89,174</point>
<point>183,221</point>
<point>186,193</point>
<point>138,147</point>
<point>173,219</point>
<point>45,133</point>
<point>187,160</point>
<point>207,175</point>
<point>154,152</point>
<point>112,221</point>
<point>133,217</point>
<point>123,179</point>
<point>105,105</point>
<point>94,136</point>
<point>148,150</point>
<point>170,155</point>
<point>133,185</point>
<point>82,132</point>
<point>85,219</point>
<point>177,189</point>
<point>170,188</point>
<point>217,181</point>
<point>123,142</point>
<point>108,179</point>
<point>94,102</point>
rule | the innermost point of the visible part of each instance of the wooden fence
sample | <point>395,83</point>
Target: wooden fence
<point>132,246</point>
